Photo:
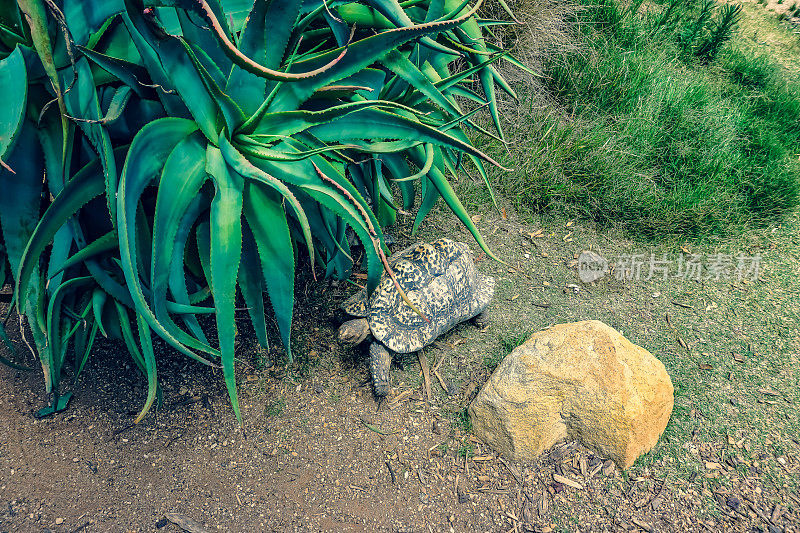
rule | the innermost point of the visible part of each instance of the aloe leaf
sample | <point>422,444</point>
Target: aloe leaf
<point>201,8</point>
<point>131,74</point>
<point>244,167</point>
<point>99,297</point>
<point>181,178</point>
<point>395,12</point>
<point>36,18</point>
<point>400,64</point>
<point>58,404</point>
<point>84,17</point>
<point>122,96</point>
<point>264,39</point>
<point>263,151</point>
<point>340,205</point>
<point>196,33</point>
<point>124,323</point>
<point>429,196</point>
<point>62,244</point>
<point>183,76</point>
<point>54,351</point>
<point>287,123</point>
<point>448,194</point>
<point>146,157</point>
<point>14,95</point>
<point>82,355</point>
<point>149,364</point>
<point>360,55</point>
<point>144,39</point>
<point>376,123</point>
<point>225,252</point>
<point>399,169</point>
<point>19,202</point>
<point>303,174</point>
<point>81,102</point>
<point>251,285</point>
<point>99,246</point>
<point>177,274</point>
<point>146,362</point>
<point>266,218</point>
<point>364,16</point>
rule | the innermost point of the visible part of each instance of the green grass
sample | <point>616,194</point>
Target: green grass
<point>655,132</point>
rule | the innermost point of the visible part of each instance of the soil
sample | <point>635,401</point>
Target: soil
<point>316,452</point>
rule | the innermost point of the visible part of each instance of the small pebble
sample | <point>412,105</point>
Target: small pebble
<point>59,521</point>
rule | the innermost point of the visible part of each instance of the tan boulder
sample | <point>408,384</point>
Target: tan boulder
<point>582,381</point>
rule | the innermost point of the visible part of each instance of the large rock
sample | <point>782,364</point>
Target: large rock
<point>581,381</point>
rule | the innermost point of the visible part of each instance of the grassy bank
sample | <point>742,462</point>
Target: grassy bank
<point>659,123</point>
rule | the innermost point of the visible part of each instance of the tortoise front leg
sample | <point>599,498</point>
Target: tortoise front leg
<point>380,361</point>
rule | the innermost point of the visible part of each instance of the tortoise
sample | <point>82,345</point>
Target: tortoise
<point>441,280</point>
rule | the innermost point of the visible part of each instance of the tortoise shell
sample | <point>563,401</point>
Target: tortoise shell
<point>440,278</point>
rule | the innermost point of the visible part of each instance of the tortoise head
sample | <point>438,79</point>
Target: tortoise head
<point>354,331</point>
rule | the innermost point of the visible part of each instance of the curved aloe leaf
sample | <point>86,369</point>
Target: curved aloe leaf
<point>181,178</point>
<point>14,95</point>
<point>225,256</point>
<point>146,157</point>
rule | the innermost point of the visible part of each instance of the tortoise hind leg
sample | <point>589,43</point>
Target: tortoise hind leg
<point>380,361</point>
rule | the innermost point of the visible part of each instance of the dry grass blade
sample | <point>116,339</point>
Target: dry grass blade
<point>426,373</point>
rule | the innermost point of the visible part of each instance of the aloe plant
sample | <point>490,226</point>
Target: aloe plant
<point>196,149</point>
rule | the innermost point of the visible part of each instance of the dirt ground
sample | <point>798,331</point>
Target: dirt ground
<point>316,454</point>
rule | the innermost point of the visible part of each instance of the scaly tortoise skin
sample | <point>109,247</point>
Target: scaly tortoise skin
<point>440,278</point>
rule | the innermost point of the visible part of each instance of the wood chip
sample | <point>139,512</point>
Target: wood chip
<point>543,506</point>
<point>568,482</point>
<point>739,358</point>
<point>608,467</point>
<point>584,465</point>
<point>480,458</point>
<point>777,511</point>
<point>401,397</point>
<point>595,470</point>
<point>770,392</point>
<point>644,525</point>
<point>449,389</point>
<point>758,512</point>
<point>543,305</point>
<point>705,366</point>
<point>683,343</point>
<point>681,304</point>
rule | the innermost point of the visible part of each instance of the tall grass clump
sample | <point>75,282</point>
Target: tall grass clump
<point>660,125</point>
